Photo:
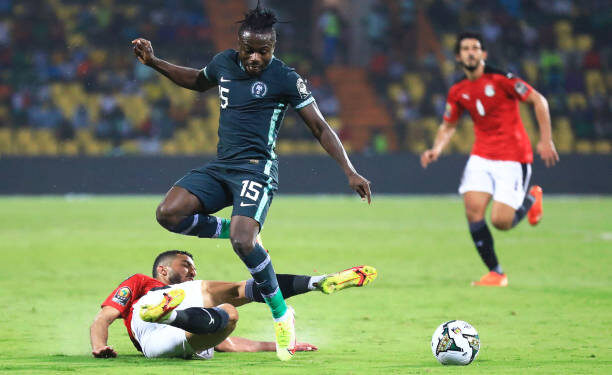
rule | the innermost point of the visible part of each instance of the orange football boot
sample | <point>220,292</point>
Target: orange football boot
<point>535,212</point>
<point>492,279</point>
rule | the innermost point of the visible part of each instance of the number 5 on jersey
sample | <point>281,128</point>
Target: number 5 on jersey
<point>224,99</point>
<point>250,189</point>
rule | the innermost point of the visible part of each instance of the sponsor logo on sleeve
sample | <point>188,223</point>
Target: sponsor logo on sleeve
<point>302,89</point>
<point>122,296</point>
<point>520,88</point>
<point>448,111</point>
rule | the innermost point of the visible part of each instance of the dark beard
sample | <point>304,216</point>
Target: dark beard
<point>470,68</point>
<point>175,278</point>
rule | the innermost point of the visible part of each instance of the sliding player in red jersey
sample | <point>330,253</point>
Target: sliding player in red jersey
<point>173,315</point>
<point>499,166</point>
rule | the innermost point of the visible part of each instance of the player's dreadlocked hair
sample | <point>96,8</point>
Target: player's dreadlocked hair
<point>167,257</point>
<point>258,20</point>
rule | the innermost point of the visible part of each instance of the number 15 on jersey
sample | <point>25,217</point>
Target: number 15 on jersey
<point>224,100</point>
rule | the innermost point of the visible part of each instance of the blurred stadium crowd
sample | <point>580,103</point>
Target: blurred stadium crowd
<point>70,85</point>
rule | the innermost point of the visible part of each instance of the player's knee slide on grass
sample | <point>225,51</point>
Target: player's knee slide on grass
<point>201,320</point>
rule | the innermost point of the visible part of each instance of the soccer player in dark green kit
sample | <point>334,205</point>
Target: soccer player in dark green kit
<point>255,90</point>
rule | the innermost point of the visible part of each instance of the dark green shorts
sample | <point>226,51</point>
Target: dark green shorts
<point>219,186</point>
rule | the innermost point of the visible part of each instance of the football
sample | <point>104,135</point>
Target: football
<point>455,343</point>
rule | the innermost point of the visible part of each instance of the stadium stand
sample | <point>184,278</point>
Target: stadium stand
<point>69,84</point>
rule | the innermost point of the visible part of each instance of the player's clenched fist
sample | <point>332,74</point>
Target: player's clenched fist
<point>143,50</point>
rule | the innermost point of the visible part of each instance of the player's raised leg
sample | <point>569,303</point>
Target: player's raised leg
<point>180,212</point>
<point>247,291</point>
<point>244,230</point>
<point>525,208</point>
<point>505,217</point>
<point>502,215</point>
<point>475,207</point>
<point>512,202</point>
<point>293,285</point>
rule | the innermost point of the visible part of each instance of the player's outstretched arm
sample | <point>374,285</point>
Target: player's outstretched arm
<point>98,332</point>
<point>443,136</point>
<point>545,147</point>
<point>240,344</point>
<point>331,143</point>
<point>188,78</point>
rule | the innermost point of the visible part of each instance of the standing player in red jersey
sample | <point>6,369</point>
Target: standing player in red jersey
<point>196,317</point>
<point>500,163</point>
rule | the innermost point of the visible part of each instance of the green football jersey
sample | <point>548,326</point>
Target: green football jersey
<point>253,107</point>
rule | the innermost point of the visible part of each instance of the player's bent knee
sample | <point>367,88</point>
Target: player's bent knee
<point>501,223</point>
<point>166,217</point>
<point>231,311</point>
<point>242,245</point>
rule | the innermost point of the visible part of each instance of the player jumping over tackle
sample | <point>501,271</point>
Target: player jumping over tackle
<point>500,163</point>
<point>192,318</point>
<point>255,90</point>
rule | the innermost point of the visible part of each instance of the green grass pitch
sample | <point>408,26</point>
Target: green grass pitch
<point>62,256</point>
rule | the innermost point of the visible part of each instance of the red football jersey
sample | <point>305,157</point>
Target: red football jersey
<point>127,294</point>
<point>492,101</point>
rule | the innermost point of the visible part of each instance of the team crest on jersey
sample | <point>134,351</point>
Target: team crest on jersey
<point>122,296</point>
<point>520,88</point>
<point>489,90</point>
<point>302,89</point>
<point>259,89</point>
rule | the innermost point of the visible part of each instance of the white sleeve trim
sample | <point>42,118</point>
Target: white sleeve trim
<point>305,103</point>
<point>206,74</point>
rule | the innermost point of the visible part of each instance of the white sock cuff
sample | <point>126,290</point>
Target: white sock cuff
<point>170,318</point>
<point>315,280</point>
<point>285,315</point>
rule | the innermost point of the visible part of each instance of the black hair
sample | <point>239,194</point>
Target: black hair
<point>258,20</point>
<point>468,35</point>
<point>167,256</point>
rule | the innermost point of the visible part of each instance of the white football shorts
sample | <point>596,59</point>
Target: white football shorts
<point>162,340</point>
<point>506,181</point>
